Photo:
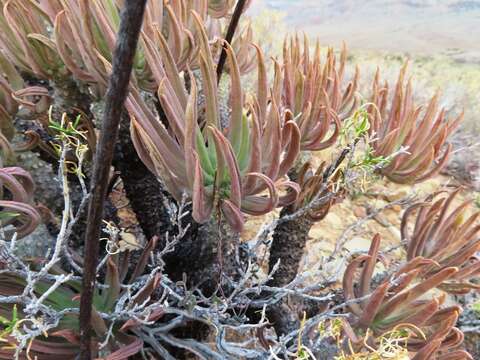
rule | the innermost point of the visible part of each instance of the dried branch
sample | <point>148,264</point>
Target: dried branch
<point>39,318</point>
<point>130,25</point>
<point>237,13</point>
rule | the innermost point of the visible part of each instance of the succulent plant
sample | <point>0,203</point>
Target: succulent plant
<point>16,195</point>
<point>422,131</point>
<point>404,298</point>
<point>16,99</point>
<point>8,106</point>
<point>221,8</point>
<point>314,186</point>
<point>25,39</point>
<point>443,233</point>
<point>85,34</point>
<point>315,92</point>
<point>53,39</point>
<point>63,341</point>
<point>245,52</point>
<point>218,167</point>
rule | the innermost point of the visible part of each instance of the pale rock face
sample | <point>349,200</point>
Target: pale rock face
<point>398,194</point>
<point>358,244</point>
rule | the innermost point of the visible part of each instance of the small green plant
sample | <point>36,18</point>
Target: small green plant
<point>303,353</point>
<point>9,325</point>
<point>356,126</point>
<point>476,307</point>
<point>71,135</point>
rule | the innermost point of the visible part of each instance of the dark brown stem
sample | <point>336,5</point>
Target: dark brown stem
<point>286,252</point>
<point>290,237</point>
<point>287,249</point>
<point>207,257</point>
<point>237,13</point>
<point>130,25</point>
<point>145,193</point>
<point>288,245</point>
<point>340,159</point>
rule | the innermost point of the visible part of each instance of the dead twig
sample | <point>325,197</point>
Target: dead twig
<point>237,13</point>
<point>130,25</point>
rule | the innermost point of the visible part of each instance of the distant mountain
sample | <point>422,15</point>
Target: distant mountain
<point>422,26</point>
<point>353,5</point>
<point>308,8</point>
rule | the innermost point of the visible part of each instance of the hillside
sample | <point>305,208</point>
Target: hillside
<point>416,26</point>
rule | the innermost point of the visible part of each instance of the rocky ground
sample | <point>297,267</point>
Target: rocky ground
<point>357,219</point>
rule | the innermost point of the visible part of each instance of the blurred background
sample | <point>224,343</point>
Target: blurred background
<point>427,27</point>
<point>439,38</point>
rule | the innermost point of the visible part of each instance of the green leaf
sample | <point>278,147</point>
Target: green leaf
<point>244,152</point>
<point>205,157</point>
<point>8,215</point>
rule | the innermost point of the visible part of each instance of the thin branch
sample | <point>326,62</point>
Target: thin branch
<point>237,13</point>
<point>130,26</point>
<point>344,237</point>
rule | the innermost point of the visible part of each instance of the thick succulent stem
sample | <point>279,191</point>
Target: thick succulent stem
<point>145,193</point>
<point>196,255</point>
<point>207,257</point>
<point>282,317</point>
<point>286,252</point>
<point>288,245</point>
<point>69,97</point>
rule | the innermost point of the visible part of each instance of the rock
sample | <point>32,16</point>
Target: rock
<point>382,220</point>
<point>397,195</point>
<point>395,233</point>
<point>358,244</point>
<point>335,221</point>
<point>360,211</point>
<point>316,252</point>
<point>48,189</point>
<point>392,217</point>
<point>397,208</point>
<point>35,244</point>
<point>468,323</point>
